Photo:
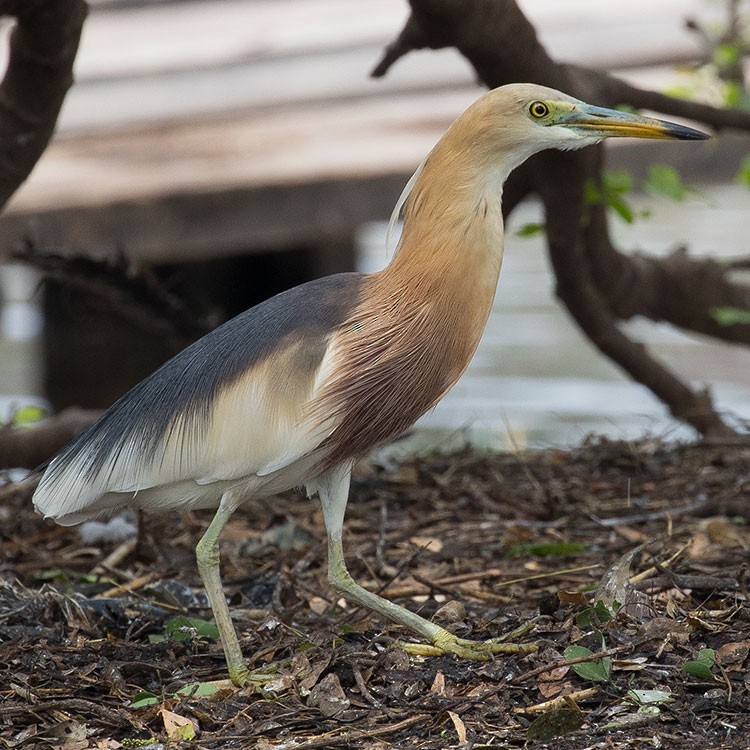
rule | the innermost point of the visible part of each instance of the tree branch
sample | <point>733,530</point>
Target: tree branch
<point>43,47</point>
<point>30,446</point>
<point>595,282</point>
<point>132,292</point>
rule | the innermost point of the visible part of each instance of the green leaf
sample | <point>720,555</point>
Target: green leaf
<point>181,628</point>
<point>531,229</point>
<point>596,616</point>
<point>666,181</point>
<point>144,698</point>
<point>743,174</point>
<point>53,574</point>
<point>729,316</point>
<point>681,91</point>
<point>734,95</point>
<point>615,184</point>
<point>698,669</point>
<point>25,415</point>
<point>592,196</point>
<point>594,671</point>
<point>621,208</point>
<point>617,181</point>
<point>726,55</point>
<point>198,688</point>
<point>702,665</point>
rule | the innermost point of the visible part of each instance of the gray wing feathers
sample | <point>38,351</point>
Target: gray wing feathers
<point>227,406</point>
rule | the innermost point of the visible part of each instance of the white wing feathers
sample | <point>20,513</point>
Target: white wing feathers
<point>258,430</point>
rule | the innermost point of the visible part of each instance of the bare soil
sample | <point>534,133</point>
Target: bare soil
<point>484,543</point>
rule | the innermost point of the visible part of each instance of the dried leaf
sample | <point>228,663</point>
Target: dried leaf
<point>700,546</point>
<point>318,604</point>
<point>733,654</point>
<point>552,689</point>
<point>450,612</point>
<point>614,585</point>
<point>328,696</point>
<point>438,684</point>
<point>649,697</point>
<point>278,685</point>
<point>722,532</point>
<point>572,597</point>
<point>177,727</point>
<point>459,726</point>
<point>551,682</point>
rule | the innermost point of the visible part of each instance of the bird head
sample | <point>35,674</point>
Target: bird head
<point>521,119</point>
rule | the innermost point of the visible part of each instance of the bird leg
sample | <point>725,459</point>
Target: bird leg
<point>334,490</point>
<point>207,557</point>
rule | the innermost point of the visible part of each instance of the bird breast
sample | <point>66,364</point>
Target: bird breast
<point>398,353</point>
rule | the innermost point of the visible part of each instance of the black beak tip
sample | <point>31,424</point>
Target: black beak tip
<point>684,133</point>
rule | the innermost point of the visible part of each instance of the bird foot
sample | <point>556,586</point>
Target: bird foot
<point>446,643</point>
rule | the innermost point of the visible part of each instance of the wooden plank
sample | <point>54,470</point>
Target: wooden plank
<point>252,107</point>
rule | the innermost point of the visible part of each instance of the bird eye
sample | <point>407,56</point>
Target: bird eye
<point>538,110</point>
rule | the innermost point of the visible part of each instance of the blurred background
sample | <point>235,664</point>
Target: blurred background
<point>240,147</point>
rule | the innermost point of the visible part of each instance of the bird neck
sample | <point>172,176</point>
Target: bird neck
<point>452,240</point>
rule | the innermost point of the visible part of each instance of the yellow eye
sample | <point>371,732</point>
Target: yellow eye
<point>538,110</point>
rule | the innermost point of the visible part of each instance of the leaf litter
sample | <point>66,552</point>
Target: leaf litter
<point>629,559</point>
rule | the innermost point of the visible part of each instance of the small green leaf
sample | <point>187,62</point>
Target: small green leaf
<point>53,574</point>
<point>729,316</point>
<point>743,174</point>
<point>592,196</point>
<point>586,618</point>
<point>531,229</point>
<point>615,184</point>
<point>726,54</point>
<point>698,669</point>
<point>666,181</point>
<point>144,698</point>
<point>181,628</point>
<point>702,665</point>
<point>156,638</point>
<point>617,181</point>
<point>596,616</point>
<point>605,613</point>
<point>595,671</point>
<point>621,208</point>
<point>25,415</point>
<point>198,688</point>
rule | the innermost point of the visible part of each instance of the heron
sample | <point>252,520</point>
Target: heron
<point>292,392</point>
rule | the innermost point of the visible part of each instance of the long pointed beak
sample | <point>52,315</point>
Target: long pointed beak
<point>609,123</point>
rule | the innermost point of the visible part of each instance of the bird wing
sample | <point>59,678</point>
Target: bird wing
<point>232,405</point>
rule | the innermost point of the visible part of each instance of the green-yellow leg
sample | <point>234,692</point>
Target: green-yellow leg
<point>334,491</point>
<point>207,556</point>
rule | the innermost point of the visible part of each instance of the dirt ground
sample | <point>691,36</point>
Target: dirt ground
<point>90,656</point>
